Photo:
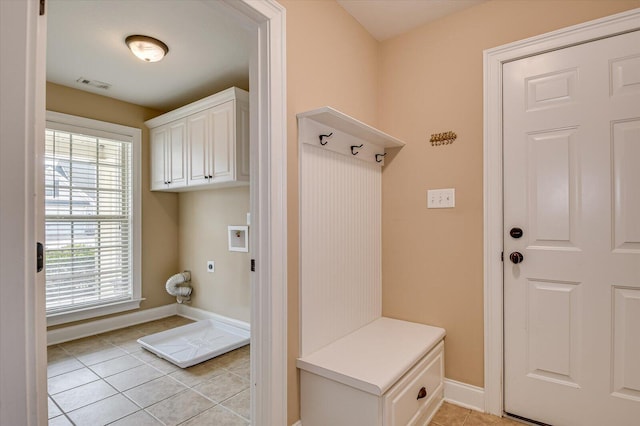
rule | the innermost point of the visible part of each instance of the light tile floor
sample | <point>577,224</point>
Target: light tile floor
<point>110,379</point>
<point>452,415</point>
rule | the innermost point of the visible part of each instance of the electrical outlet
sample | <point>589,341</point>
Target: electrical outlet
<point>441,198</point>
<point>211,266</point>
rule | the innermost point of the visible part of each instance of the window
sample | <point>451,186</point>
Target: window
<point>92,212</point>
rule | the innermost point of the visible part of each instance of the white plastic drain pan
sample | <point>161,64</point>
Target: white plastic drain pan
<point>196,342</point>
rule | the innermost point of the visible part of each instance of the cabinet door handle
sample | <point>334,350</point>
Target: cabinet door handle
<point>422,393</point>
<point>210,176</point>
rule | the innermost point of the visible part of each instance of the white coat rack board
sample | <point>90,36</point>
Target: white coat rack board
<point>357,368</point>
<point>340,202</point>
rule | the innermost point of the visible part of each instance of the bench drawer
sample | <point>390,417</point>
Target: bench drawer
<point>402,405</point>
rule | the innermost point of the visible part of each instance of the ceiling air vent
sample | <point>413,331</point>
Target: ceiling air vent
<point>94,83</point>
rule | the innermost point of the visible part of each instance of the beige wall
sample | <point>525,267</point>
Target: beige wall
<point>430,82</point>
<point>204,217</point>
<point>159,210</point>
<point>331,60</point>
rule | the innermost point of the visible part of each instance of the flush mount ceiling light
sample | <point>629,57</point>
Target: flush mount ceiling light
<point>146,48</point>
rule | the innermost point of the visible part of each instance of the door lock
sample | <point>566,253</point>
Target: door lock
<point>516,232</point>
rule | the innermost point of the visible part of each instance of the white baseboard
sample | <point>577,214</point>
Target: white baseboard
<point>298,423</point>
<point>60,335</point>
<point>197,314</point>
<point>65,334</point>
<point>464,395</point>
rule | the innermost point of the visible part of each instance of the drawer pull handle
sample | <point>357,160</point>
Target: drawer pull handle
<point>422,393</point>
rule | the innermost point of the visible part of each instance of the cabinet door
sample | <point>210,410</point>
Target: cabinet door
<point>176,160</point>
<point>242,142</point>
<point>198,140</point>
<point>221,120</point>
<point>158,158</point>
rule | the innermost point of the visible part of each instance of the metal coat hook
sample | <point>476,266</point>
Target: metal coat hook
<point>355,146</point>
<point>379,157</point>
<point>324,136</point>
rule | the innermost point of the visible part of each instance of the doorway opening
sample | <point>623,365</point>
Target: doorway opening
<point>266,22</point>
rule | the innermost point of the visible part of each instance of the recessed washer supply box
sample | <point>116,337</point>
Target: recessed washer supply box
<point>389,372</point>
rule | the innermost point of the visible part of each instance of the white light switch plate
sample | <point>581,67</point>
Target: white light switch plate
<point>211,266</point>
<point>441,198</point>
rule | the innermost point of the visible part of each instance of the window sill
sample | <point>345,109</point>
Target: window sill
<point>92,312</point>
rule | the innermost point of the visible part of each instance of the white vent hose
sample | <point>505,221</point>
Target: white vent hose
<point>175,288</point>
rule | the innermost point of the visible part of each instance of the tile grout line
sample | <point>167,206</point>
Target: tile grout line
<point>62,412</point>
<point>215,403</point>
<point>110,345</point>
<point>232,411</point>
<point>103,379</point>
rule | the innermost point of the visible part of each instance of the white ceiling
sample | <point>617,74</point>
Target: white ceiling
<point>388,18</point>
<point>207,53</point>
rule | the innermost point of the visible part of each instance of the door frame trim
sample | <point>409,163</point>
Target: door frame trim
<point>493,190</point>
<point>266,19</point>
<point>23,357</point>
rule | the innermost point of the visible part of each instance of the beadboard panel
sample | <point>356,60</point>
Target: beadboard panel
<point>340,238</point>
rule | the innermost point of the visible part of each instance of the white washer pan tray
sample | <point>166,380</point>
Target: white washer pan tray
<point>196,342</point>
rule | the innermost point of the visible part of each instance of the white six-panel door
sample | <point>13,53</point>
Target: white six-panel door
<point>572,184</point>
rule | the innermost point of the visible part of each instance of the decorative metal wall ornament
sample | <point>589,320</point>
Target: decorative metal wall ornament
<point>445,138</point>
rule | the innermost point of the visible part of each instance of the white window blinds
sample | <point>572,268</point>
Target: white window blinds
<point>88,208</point>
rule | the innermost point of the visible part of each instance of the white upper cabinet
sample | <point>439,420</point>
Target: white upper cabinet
<point>158,158</point>
<point>222,131</point>
<point>211,149</point>
<point>168,156</point>
<point>198,148</point>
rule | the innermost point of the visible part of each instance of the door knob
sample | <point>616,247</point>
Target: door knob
<point>516,257</point>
